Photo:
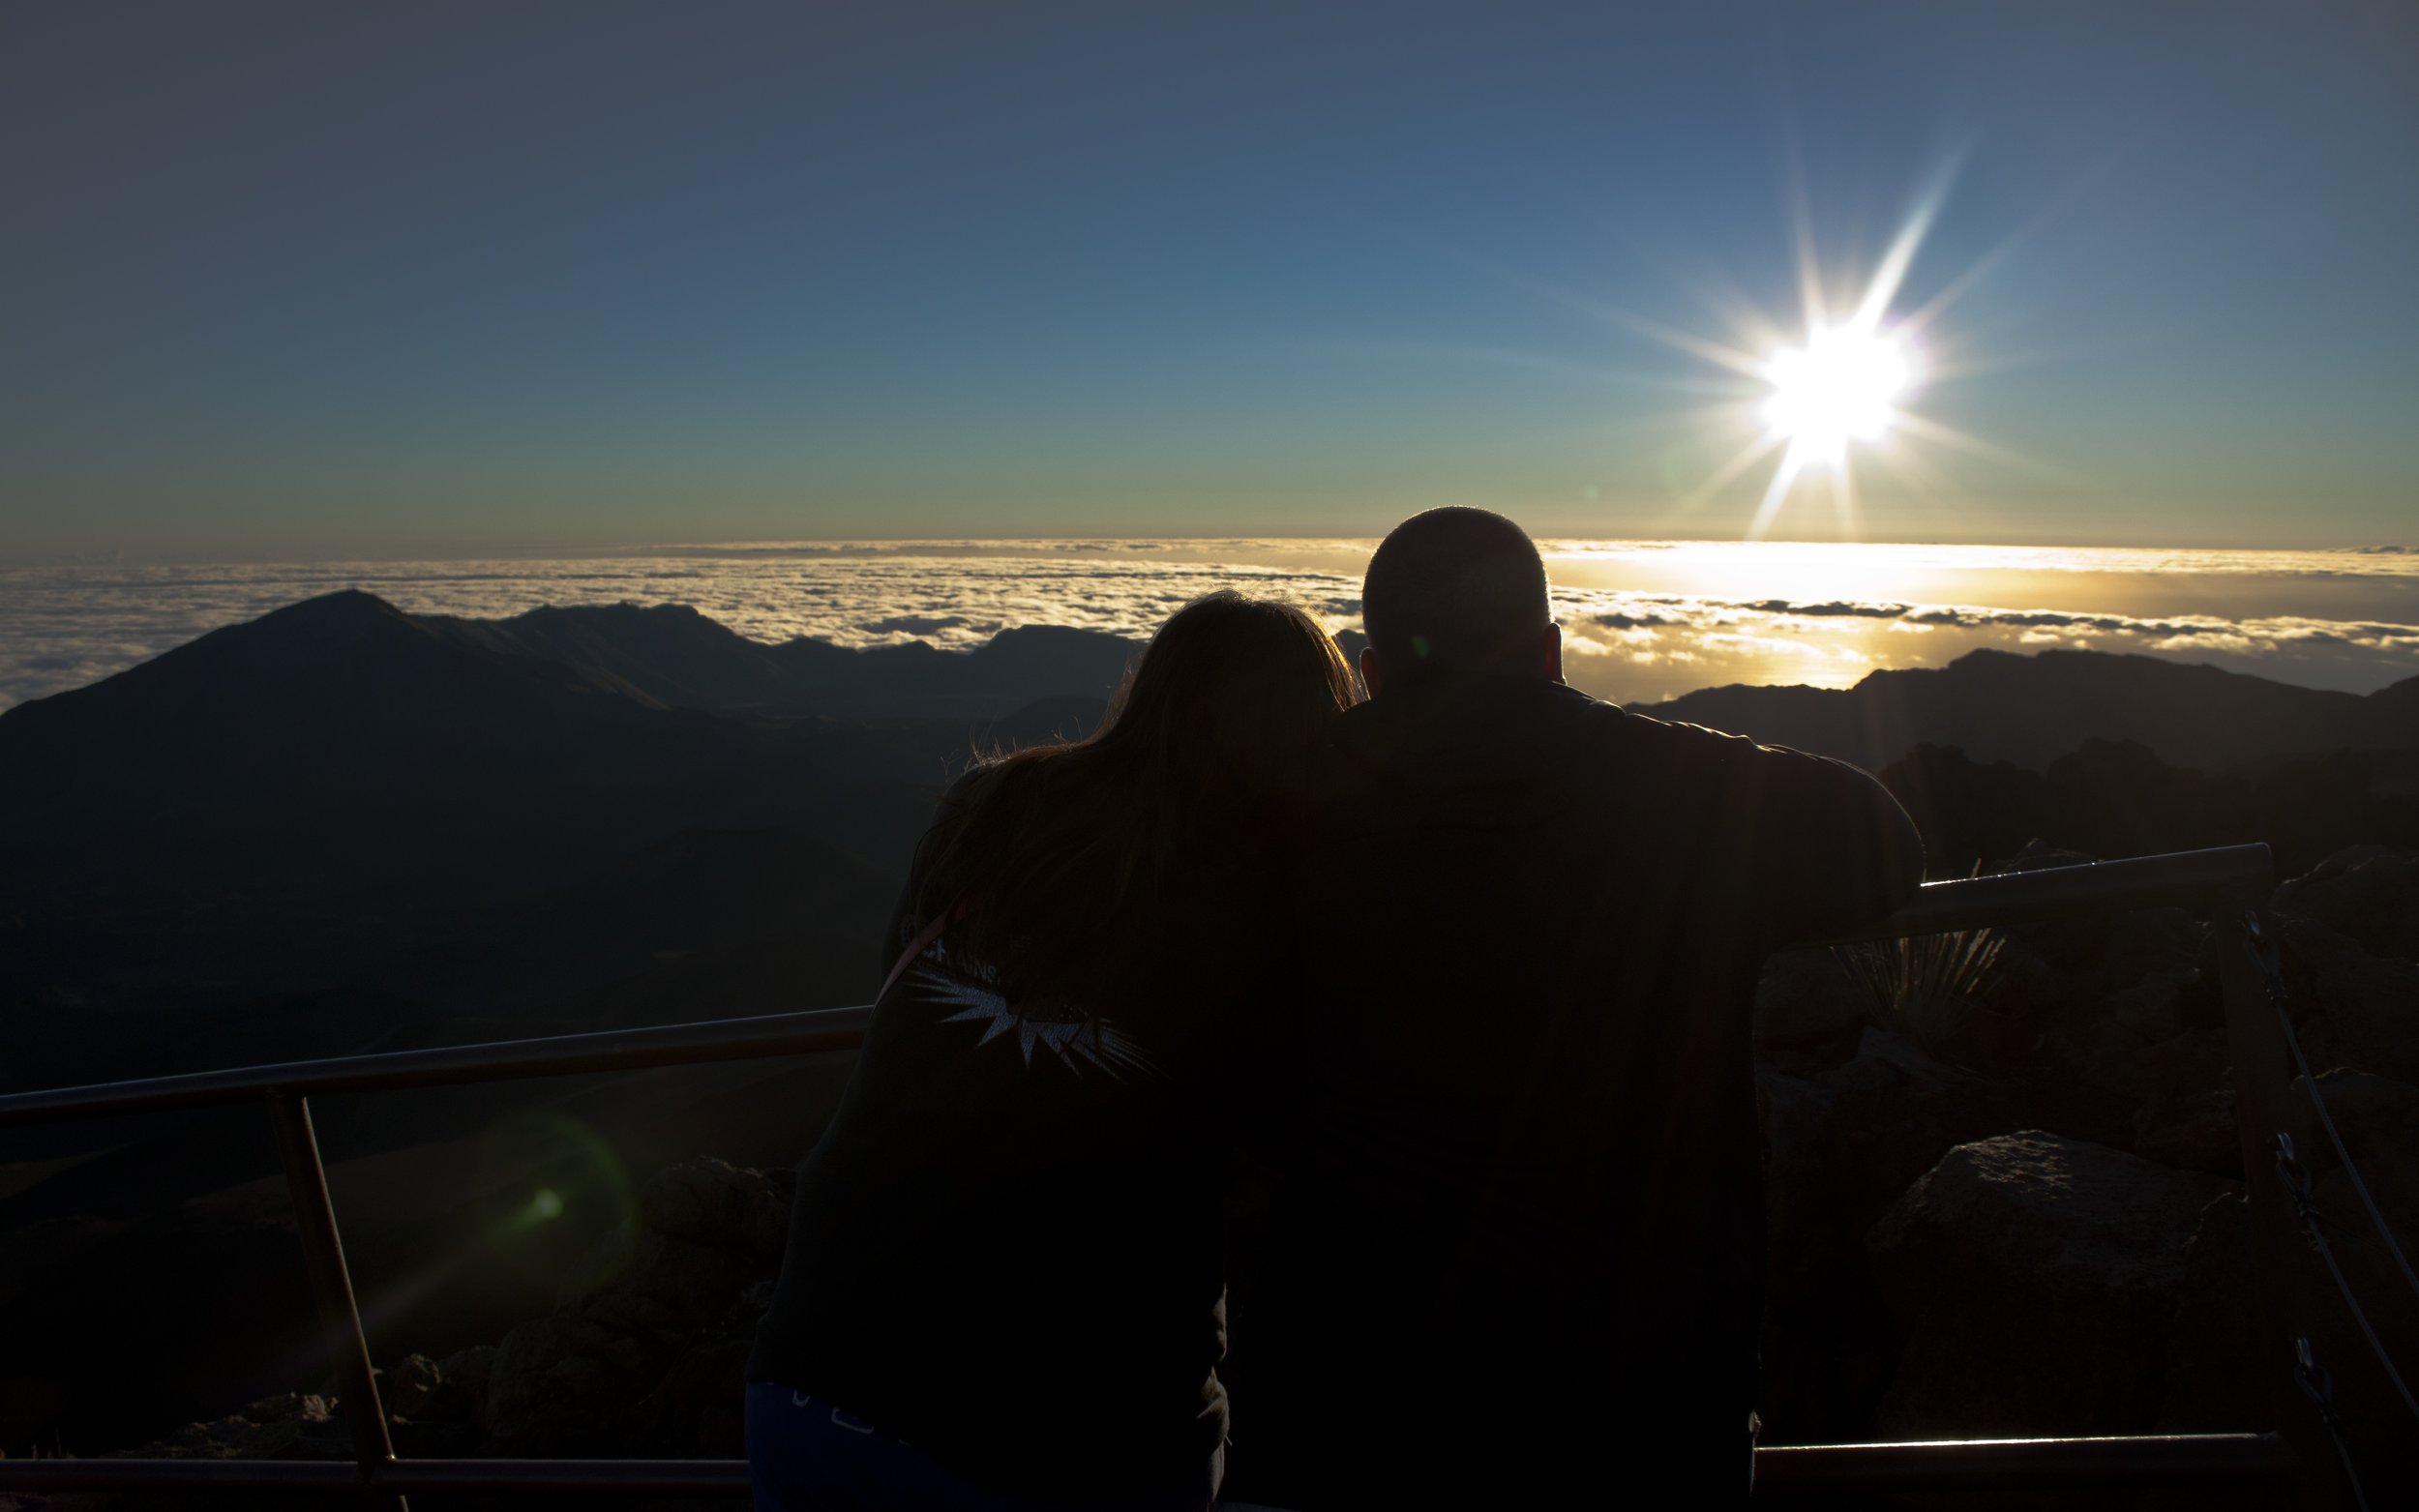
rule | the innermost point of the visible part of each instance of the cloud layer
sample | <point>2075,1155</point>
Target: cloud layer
<point>64,626</point>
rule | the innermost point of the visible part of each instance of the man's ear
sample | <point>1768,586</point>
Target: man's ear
<point>1552,646</point>
<point>1369,669</point>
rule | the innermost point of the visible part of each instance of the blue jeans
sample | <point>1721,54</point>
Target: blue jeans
<point>805,1455</point>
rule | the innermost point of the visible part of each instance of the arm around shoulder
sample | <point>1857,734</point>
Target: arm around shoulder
<point>1840,852</point>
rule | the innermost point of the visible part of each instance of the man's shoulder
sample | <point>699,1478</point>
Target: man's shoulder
<point>1527,722</point>
<point>1642,737</point>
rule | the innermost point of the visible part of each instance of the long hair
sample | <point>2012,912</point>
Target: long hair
<point>1063,868</point>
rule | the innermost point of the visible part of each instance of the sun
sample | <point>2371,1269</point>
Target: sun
<point>1818,396</point>
<point>1842,385</point>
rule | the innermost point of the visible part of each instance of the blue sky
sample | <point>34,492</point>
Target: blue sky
<point>301,279</point>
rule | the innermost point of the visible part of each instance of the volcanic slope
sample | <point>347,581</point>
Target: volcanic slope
<point>1997,706</point>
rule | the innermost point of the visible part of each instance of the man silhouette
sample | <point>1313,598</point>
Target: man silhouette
<point>1516,1246</point>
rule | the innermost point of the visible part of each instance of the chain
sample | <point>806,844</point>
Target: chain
<point>2318,1386</point>
<point>2298,1189</point>
<point>2265,954</point>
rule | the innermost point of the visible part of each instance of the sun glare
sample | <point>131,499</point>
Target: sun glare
<point>1815,404</point>
<point>1840,386</point>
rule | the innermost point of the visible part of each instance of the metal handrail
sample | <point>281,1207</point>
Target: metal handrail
<point>2051,892</point>
<point>1945,1465</point>
<point>811,1032</point>
<point>2186,876</point>
<point>2010,898</point>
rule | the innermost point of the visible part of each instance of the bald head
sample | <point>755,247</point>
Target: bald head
<point>1457,590</point>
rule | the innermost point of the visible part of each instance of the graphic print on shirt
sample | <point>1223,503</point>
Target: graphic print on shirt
<point>1077,1042</point>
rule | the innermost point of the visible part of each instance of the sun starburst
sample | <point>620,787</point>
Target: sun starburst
<point>1812,395</point>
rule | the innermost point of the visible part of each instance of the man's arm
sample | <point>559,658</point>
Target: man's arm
<point>1811,847</point>
<point>1838,851</point>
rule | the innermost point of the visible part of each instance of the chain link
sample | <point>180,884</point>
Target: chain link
<point>2301,1190</point>
<point>2318,1385</point>
<point>2265,953</point>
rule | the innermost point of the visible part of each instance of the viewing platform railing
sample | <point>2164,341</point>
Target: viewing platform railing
<point>2230,882</point>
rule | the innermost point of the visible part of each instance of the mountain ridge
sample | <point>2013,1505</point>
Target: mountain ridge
<point>2001,706</point>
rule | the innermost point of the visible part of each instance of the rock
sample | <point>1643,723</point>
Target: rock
<point>2034,1281</point>
<point>2349,1007</point>
<point>2214,1380</point>
<point>2195,1131</point>
<point>2368,894</point>
<point>615,1368</point>
<point>411,1385</point>
<point>2185,1117</point>
<point>295,1426</point>
<point>1846,1143</point>
<point>713,1204</point>
<point>2021,985</point>
<point>559,1384</point>
<point>464,1383</point>
<point>1842,1147</point>
<point>703,1401</point>
<point>2379,1117</point>
<point>2152,1008</point>
<point>2380,1122</point>
<point>1807,994</point>
<point>2135,1048</point>
<point>599,1266</point>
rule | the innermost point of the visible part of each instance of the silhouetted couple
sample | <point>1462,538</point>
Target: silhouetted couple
<point>1466,969</point>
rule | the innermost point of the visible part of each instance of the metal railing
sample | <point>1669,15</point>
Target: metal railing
<point>2236,876</point>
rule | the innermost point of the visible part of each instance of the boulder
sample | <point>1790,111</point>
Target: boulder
<point>1807,994</point>
<point>295,1426</point>
<point>2351,1008</point>
<point>714,1204</point>
<point>2192,1131</point>
<point>2137,1040</point>
<point>2214,1376</point>
<point>1840,1146</point>
<point>616,1368</point>
<point>2368,894</point>
<point>2379,1117</point>
<point>2034,1282</point>
<point>2186,1117</point>
<point>2218,1373</point>
<point>431,1405</point>
<point>411,1385</point>
<point>2380,1122</point>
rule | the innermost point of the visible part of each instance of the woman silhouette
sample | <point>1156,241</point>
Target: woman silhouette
<point>1003,1284</point>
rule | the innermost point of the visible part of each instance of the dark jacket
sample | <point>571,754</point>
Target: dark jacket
<point>1005,1247</point>
<point>1519,1228</point>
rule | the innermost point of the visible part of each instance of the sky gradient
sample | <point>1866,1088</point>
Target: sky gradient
<point>294,279</point>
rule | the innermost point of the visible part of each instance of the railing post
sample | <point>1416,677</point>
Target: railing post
<point>2264,1112</point>
<point>332,1285</point>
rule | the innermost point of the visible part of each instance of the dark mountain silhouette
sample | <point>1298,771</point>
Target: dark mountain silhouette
<point>2117,798</point>
<point>2031,709</point>
<point>675,656</point>
<point>288,803</point>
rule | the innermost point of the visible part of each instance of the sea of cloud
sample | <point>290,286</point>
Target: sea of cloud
<point>1642,620</point>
